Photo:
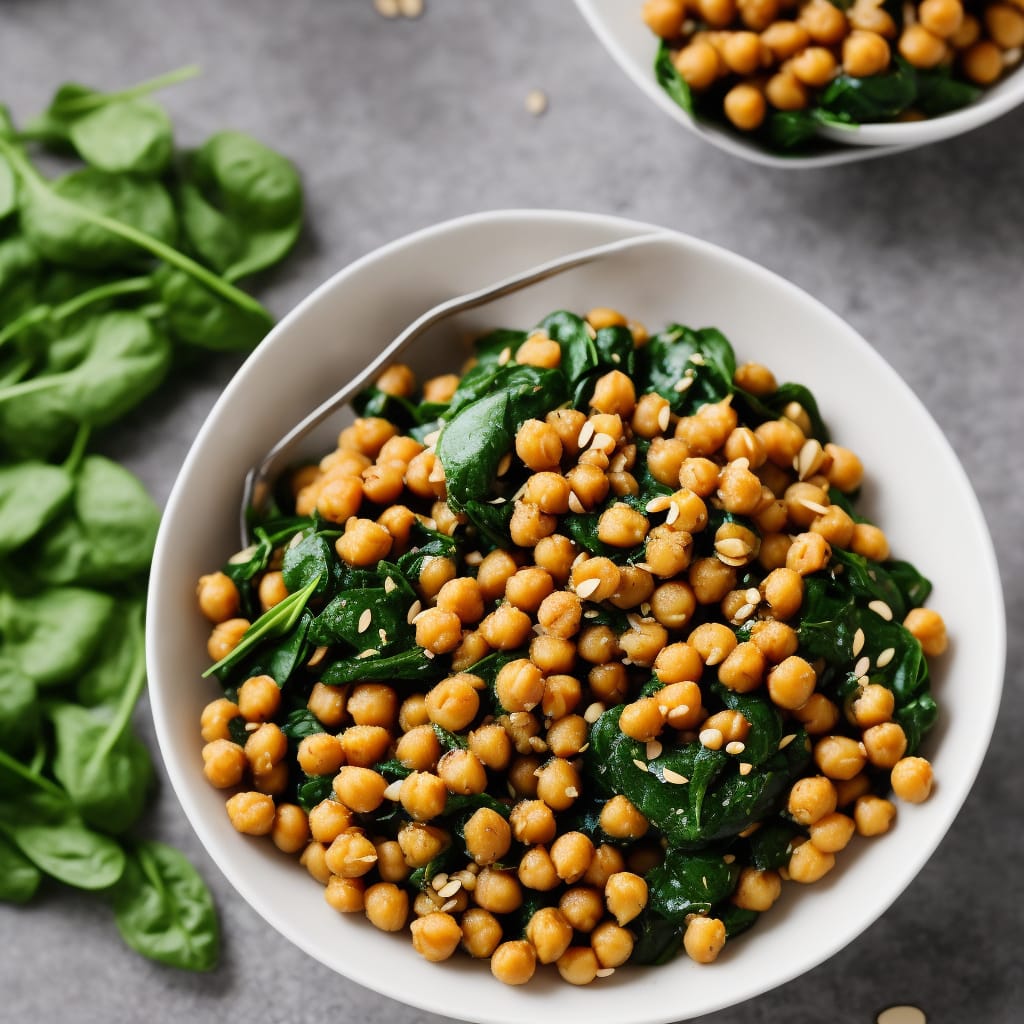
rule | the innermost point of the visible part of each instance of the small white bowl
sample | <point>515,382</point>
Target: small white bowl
<point>915,488</point>
<point>619,26</point>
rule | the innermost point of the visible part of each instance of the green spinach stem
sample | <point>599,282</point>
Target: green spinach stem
<point>14,765</point>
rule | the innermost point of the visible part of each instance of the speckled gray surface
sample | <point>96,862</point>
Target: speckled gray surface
<point>397,125</point>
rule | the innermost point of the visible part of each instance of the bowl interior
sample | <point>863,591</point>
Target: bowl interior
<point>336,331</point>
<point>633,46</point>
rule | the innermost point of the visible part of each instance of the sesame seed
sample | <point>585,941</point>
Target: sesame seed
<point>604,972</point>
<point>587,587</point>
<point>432,438</point>
<point>591,613</point>
<point>673,514</point>
<point>536,102</point>
<point>251,726</point>
<point>640,764</point>
<point>429,655</point>
<point>1012,56</point>
<point>439,881</point>
<point>733,547</point>
<point>744,612</point>
<point>753,596</point>
<point>885,657</point>
<point>603,442</point>
<point>296,540</point>
<point>414,609</point>
<point>585,434</point>
<point>858,642</point>
<point>645,608</point>
<point>735,747</point>
<point>411,8</point>
<point>394,790</point>
<point>646,566</point>
<point>697,359</point>
<point>677,713</point>
<point>862,666</point>
<point>653,750</point>
<point>449,890</point>
<point>809,459</point>
<point>383,636</point>
<point>584,748</point>
<point>504,463</point>
<point>369,653</point>
<point>593,712</point>
<point>664,416</point>
<point>246,553</point>
<point>386,8</point>
<point>814,506</point>
<point>575,505</point>
<point>571,792</point>
<point>370,858</point>
<point>711,738</point>
<point>634,621</point>
<point>389,585</point>
<point>745,767</point>
<point>317,656</point>
<point>786,740</point>
<point>590,329</point>
<point>474,558</point>
<point>674,777</point>
<point>364,621</point>
<point>448,905</point>
<point>658,504</point>
<point>537,745</point>
<point>497,501</point>
<point>881,609</point>
<point>538,772</point>
<point>682,384</point>
<point>506,355</point>
<point>616,358</point>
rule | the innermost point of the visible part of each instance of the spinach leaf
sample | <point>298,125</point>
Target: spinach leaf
<point>301,723</point>
<point>313,790</point>
<point>126,136</point>
<point>657,941</point>
<point>579,352</point>
<point>19,877</point>
<point>19,709</point>
<point>164,910</point>
<point>939,93</point>
<point>878,97</point>
<point>111,665</point>
<point>31,494</point>
<point>345,620</point>
<point>8,189</point>
<point>771,845</point>
<point>312,558</point>
<point>916,718</point>
<point>282,660</point>
<point>671,81</point>
<point>689,883</point>
<point>410,664</point>
<point>197,315</point>
<point>51,636</point>
<point>110,535</point>
<point>678,353</point>
<point>449,740</point>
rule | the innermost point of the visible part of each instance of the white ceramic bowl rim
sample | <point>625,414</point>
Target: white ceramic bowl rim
<point>619,1001</point>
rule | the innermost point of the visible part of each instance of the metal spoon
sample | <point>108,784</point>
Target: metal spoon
<point>260,479</point>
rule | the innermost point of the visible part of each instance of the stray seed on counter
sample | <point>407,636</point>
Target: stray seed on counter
<point>536,102</point>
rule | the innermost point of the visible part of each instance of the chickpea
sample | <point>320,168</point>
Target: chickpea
<point>673,604</point>
<point>391,864</point>
<point>873,815</point>
<point>643,642</point>
<point>367,435</point>
<point>784,39</point>
<point>665,458</point>
<point>550,933</point>
<point>713,641</point>
<point>536,870</point>
<point>872,705</point>
<point>614,393</point>
<point>848,790</point>
<point>507,628</point>
<point>706,432</point>
<point>920,47</point>
<point>259,697</point>
<point>651,415</point>
<point>678,663</point>
<point>885,744</point>
<point>313,860</point>
<point>462,772</point>
<point>251,813</point>
<point>782,439</point>
<point>364,745</point>
<point>514,962</point>
<point>360,789</point>
<point>441,388</point>
<point>492,746</point>
<point>643,719</point>
<point>539,351</point>
<point>621,820</point>
<point>555,554</point>
<point>808,864</point>
<point>870,16</point>
<point>609,682</point>
<point>225,637</point>
<point>522,775</point>
<point>562,693</point>
<point>818,716</point>
<point>743,670</point>
<point>538,445</point>
<point>831,833</point>
<point>435,936</point>
<point>218,597</point>
<point>488,836</point>
<point>215,719</point>
<point>758,14</point>
<point>664,18</point>
<point>811,799</point>
<point>421,843</point>
<point>328,819</point>
<point>757,890</point>
<point>983,62</point>
<point>364,542</point>
<point>454,702</point>
<point>224,763</point>
<point>912,779</point>
<point>498,891</point>
<point>625,895</point>
<point>346,895</point>
<point>387,907</point>
<point>558,784</point>
<point>967,34</point>
<point>704,939</point>
<point>529,525</point>
<point>739,489</point>
<point>481,933</point>
<point>668,552</point>
<point>1004,23</point>
<point>589,487</point>
<point>775,546</point>
<point>741,51</point>
<point>929,629</point>
<point>839,757</point>
<point>598,645</point>
<point>776,640</point>
<point>320,754</point>
<point>699,475</point>
<point>423,795</point>
<point>808,553</point>
<point>697,64</point>
<point>344,462</point>
<point>622,527</point>
<point>870,542</point>
<point>791,682</point>
<point>711,580</point>
<point>470,651</point>
<point>825,24</point>
<point>717,13</point>
<point>582,906</point>
<point>571,855</point>
<point>384,483</point>
<point>567,736</point>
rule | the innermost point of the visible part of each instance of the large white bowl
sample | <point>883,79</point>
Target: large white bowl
<point>915,487</point>
<point>617,23</point>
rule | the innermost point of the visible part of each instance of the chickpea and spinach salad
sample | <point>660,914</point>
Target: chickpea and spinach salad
<point>777,70</point>
<point>573,659</point>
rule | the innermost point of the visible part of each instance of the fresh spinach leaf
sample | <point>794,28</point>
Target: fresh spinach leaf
<point>19,707</point>
<point>301,723</point>
<point>579,351</point>
<point>671,81</point>
<point>313,790</point>
<point>126,136</point>
<point>197,315</point>
<point>31,494</point>
<point>405,665</point>
<point>19,877</point>
<point>689,883</point>
<point>312,558</point>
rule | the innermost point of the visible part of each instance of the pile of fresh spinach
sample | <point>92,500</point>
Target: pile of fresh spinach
<point>107,275</point>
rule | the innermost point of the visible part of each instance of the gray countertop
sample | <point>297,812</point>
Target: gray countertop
<point>399,124</point>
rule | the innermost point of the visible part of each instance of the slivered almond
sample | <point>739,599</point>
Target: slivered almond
<point>585,434</point>
<point>732,547</point>
<point>639,764</point>
<point>658,504</point>
<point>364,621</point>
<point>674,777</point>
<point>587,587</point>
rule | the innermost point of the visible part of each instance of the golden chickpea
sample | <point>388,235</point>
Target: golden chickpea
<point>481,933</point>
<point>423,476</point>
<point>621,526</point>
<point>967,34</point>
<point>839,757</point>
<point>578,965</point>
<point>615,394</point>
<point>215,719</point>
<point>218,597</point>
<point>550,933</point>
<point>364,542</point>
<point>912,779</point>
<point>704,939</point>
<point>560,614</point>
<point>532,822</point>
<point>539,351</point>
<point>519,685</point>
<point>783,589</point>
<point>843,468</point>
<point>589,487</point>
<point>983,62</point>
<point>225,637</point>
<point>643,719</point>
<point>742,52</point>
<point>664,18</point>
<point>920,47</point>
<point>825,23</point>
<point>399,449</point>
<point>870,16</point>
<point>339,497</point>
<point>536,871</point>
<point>454,702</point>
<point>776,640</point>
<point>344,462</point>
<point>328,819</point>
<point>782,439</point>
<point>872,705</point>
<point>598,645</point>
<point>538,445</point>
<point>621,820</point>
<point>832,833</point>
<point>808,553</point>
<point>391,864</point>
<point>488,836</point>
<point>364,745</point>
<point>699,475</point>
<point>440,389</point>
<point>791,682</point>
<point>835,526</point>
<point>678,663</point>
<point>848,790</point>
<point>498,891</point>
<point>929,629</point>
<point>651,415</point>
<point>555,554</point>
<point>582,907</point>
<point>668,552</point>
<point>784,39</point>
<point>643,642</point>
<point>492,746</point>
<point>815,66</point>
<point>529,525</point>
<point>865,53</point>
<point>706,432</point>
<point>625,895</point>
<point>514,962</point>
<point>346,895</point>
<point>522,775</point>
<point>758,14</point>
<point>873,815</point>
<point>567,736</point>
<point>1005,24</point>
<point>224,763</point>
<point>421,843</point>
<point>818,716</point>
<point>870,542</point>
<point>438,631</point>
<point>811,799</point>
<point>608,682</point>
<point>571,854</point>
<point>562,693</point>
<point>941,17</point>
<point>423,795</point>
<point>387,907</point>
<point>259,697</point>
<point>698,66</point>
<point>320,754</point>
<point>673,604</point>
<point>360,789</point>
<point>885,744</point>
<point>743,669</point>
<point>775,546</point>
<point>507,628</point>
<point>757,890</point>
<point>418,748</point>
<point>494,573</point>
<point>291,828</point>
<point>373,704</point>
<point>251,813</point>
<point>462,772</point>
<point>271,590</point>
<point>367,435</point>
<point>713,641</point>
<point>665,458</point>
<point>558,784</point>
<point>711,580</point>
<point>807,864</point>
<point>435,936</point>
<point>313,859</point>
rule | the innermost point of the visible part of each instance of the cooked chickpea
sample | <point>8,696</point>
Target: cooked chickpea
<point>259,697</point>
<point>364,542</point>
<point>643,719</point>
<point>224,763</point>
<point>873,815</point>
<point>360,789</point>
<point>558,784</point>
<point>912,779</point>
<point>571,854</point>
<point>929,629</point>
<point>536,871</point>
<point>782,439</point>
<point>578,965</point>
<point>713,641</point>
<point>870,542</point>
<point>663,18</point>
<point>668,552</point>
<point>567,736</point>
<point>1005,24</point>
<point>555,554</point>
<point>757,890</point>
<point>514,963</point>
<point>776,640</point>
<point>704,939</point>
<point>739,489</point>
<point>598,645</point>
<point>492,746</point>
<point>643,641</point>
<point>808,553</point>
<point>423,795</point>
<point>920,47</point>
<point>251,813</point>
<point>872,705</point>
<point>758,14</point>
<point>791,682</point>
<point>832,833</point>
<point>498,891</point>
<point>218,597</point>
<point>364,745</point>
<point>387,907</point>
<point>328,819</point>
<point>784,39</point>
<point>538,350</point>
<point>711,580</point>
<point>698,64</point>
<point>741,51</point>
<point>454,702</point>
<point>506,628</point>
<point>808,864</point>
<point>538,445</point>
<point>339,497</point>
<point>529,525</point>
<point>488,836</point>
<point>743,669</point>
<point>215,719</point>
<point>421,843</point>
<point>481,933</point>
<point>391,864</point>
<point>811,799</point>
<point>367,435</point>
<point>320,754</point>
<point>462,772</point>
<point>373,704</point>
<point>839,757</point>
<point>435,936</point>
<point>346,895</point>
<point>824,23</point>
<point>983,62</point>
<point>225,637</point>
<point>621,820</point>
<point>818,716</point>
<point>609,682</point>
<point>550,933</point>
<point>522,775</point>
<point>865,53</point>
<point>885,744</point>
<point>967,34</point>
